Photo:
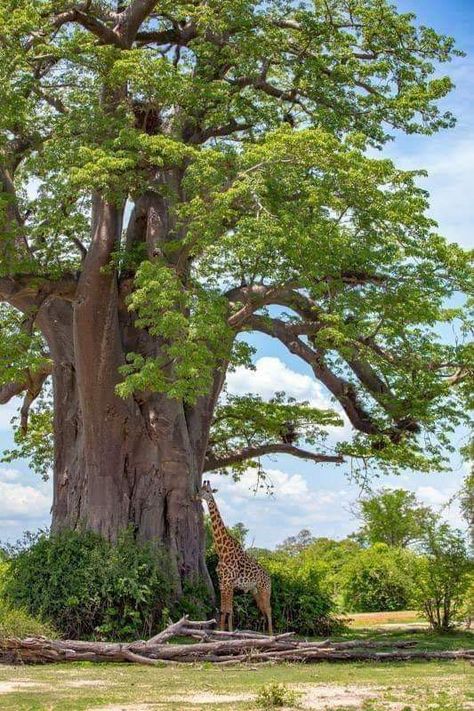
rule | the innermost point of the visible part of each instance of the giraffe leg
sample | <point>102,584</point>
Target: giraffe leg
<point>230,603</point>
<point>226,606</point>
<point>268,611</point>
<point>262,598</point>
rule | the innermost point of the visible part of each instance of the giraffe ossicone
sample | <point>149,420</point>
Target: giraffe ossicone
<point>236,570</point>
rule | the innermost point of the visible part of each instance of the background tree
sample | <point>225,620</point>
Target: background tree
<point>175,176</point>
<point>467,505</point>
<point>444,576</point>
<point>293,545</point>
<point>378,578</point>
<point>392,516</point>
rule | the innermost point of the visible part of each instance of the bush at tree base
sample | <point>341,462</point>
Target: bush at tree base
<point>15,621</point>
<point>89,587</point>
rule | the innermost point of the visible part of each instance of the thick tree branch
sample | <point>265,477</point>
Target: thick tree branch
<point>259,295</point>
<point>91,23</point>
<point>253,297</point>
<point>27,291</point>
<point>342,390</point>
<point>11,390</point>
<point>212,462</point>
<point>98,345</point>
<point>32,382</point>
<point>35,384</point>
<point>133,17</point>
<point>105,235</point>
<point>203,135</point>
<point>200,415</point>
<point>179,35</point>
<point>380,391</point>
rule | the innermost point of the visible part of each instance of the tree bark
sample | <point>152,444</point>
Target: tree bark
<point>121,463</point>
<point>217,647</point>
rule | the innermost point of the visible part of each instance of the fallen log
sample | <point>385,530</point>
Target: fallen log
<point>217,647</point>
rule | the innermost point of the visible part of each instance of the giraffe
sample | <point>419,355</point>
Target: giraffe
<point>236,569</point>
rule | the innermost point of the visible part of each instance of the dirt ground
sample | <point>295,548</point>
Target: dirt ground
<point>324,687</point>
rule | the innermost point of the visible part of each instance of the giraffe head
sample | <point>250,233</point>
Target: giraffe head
<point>206,491</point>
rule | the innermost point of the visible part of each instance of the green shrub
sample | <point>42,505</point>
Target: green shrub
<point>87,586</point>
<point>15,622</point>
<point>378,578</point>
<point>444,576</point>
<point>276,696</point>
<point>195,601</point>
<point>465,613</point>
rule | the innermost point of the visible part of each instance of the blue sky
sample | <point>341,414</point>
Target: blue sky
<point>319,497</point>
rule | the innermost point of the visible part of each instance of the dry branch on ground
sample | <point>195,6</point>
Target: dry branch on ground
<point>214,646</point>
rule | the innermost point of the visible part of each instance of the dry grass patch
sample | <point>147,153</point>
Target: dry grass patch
<point>377,619</point>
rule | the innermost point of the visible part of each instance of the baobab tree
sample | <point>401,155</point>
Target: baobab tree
<point>178,175</point>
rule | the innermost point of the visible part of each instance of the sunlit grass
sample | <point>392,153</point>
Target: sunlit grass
<point>440,686</point>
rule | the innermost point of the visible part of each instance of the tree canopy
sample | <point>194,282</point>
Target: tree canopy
<point>394,517</point>
<point>213,157</point>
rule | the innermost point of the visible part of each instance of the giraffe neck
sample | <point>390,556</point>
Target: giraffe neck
<point>219,531</point>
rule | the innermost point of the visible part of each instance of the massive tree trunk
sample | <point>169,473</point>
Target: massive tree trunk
<point>120,462</point>
<point>128,466</point>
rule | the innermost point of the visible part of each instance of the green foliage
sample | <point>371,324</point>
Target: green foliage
<point>378,578</point>
<point>16,622</point>
<point>276,695</point>
<point>443,578</point>
<point>21,346</point>
<point>242,421</point>
<point>299,601</point>
<point>467,504</point>
<point>36,445</point>
<point>329,557</point>
<point>392,516</point>
<point>86,586</point>
<point>294,545</point>
<point>194,601</point>
<point>465,613</point>
<point>194,329</point>
<point>251,131</point>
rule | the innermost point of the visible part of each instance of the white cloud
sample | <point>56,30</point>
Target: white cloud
<point>271,375</point>
<point>293,487</point>
<point>450,166</point>
<point>443,501</point>
<point>294,504</point>
<point>9,474</point>
<point>433,496</point>
<point>23,503</point>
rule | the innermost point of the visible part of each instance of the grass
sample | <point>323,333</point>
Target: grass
<point>417,686</point>
<point>15,622</point>
<point>424,638</point>
<point>374,619</point>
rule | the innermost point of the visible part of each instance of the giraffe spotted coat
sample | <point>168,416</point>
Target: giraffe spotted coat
<point>236,570</point>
